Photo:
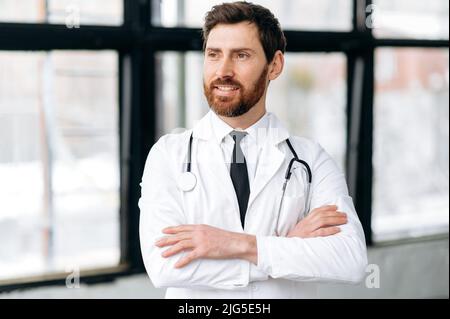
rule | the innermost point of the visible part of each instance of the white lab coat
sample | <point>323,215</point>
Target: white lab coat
<point>287,267</point>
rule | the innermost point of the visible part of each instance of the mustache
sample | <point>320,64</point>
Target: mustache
<point>225,82</point>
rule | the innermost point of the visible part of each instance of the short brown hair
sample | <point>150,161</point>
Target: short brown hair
<point>270,34</point>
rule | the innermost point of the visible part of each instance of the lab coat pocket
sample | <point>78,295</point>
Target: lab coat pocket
<point>291,213</point>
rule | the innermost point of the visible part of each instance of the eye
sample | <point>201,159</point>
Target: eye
<point>243,56</point>
<point>212,55</point>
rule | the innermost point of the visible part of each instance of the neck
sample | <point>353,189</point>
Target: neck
<point>246,120</point>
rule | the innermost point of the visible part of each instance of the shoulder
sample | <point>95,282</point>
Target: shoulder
<point>171,145</point>
<point>320,161</point>
<point>306,148</point>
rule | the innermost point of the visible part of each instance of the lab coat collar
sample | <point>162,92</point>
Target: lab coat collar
<point>271,157</point>
<point>270,130</point>
<point>219,127</point>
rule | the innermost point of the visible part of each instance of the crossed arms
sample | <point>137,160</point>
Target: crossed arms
<point>207,242</point>
<point>326,246</point>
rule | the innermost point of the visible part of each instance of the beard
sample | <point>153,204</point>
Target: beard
<point>236,105</point>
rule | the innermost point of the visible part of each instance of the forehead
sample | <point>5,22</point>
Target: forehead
<point>238,35</point>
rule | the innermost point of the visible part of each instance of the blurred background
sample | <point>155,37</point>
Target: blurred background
<point>87,87</point>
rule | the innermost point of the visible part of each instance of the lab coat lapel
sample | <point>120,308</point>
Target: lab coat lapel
<point>270,161</point>
<point>271,157</point>
<point>210,158</point>
<point>219,173</point>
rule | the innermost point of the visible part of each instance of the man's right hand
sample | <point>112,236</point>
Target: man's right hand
<point>321,222</point>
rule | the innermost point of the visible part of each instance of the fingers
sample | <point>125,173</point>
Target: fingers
<point>186,259</point>
<point>179,247</point>
<point>330,214</point>
<point>322,221</point>
<point>330,221</point>
<point>324,217</point>
<point>327,216</point>
<point>172,240</point>
<point>327,210</point>
<point>326,231</point>
<point>178,229</point>
<point>322,209</point>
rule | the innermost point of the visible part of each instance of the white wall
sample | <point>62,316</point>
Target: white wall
<point>409,270</point>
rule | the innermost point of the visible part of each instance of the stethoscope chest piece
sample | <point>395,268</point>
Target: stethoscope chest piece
<point>187,181</point>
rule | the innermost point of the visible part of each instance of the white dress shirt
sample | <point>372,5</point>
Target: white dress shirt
<point>251,144</point>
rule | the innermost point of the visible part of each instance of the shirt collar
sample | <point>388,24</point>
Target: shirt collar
<point>220,128</point>
<point>256,131</point>
<point>205,130</point>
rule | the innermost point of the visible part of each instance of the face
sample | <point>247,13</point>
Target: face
<point>235,73</point>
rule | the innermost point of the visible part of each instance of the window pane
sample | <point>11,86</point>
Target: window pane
<point>69,12</point>
<point>411,143</point>
<point>59,168</point>
<point>410,19</point>
<point>292,14</point>
<point>309,96</point>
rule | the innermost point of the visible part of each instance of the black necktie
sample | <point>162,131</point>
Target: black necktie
<point>239,174</point>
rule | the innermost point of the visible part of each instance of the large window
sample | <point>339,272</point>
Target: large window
<point>88,86</point>
<point>73,13</point>
<point>293,14</point>
<point>410,19</point>
<point>411,143</point>
<point>59,162</point>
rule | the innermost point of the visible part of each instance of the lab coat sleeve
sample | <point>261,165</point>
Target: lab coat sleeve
<point>161,206</point>
<point>337,258</point>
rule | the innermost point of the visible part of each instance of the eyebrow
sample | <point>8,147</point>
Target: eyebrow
<point>232,50</point>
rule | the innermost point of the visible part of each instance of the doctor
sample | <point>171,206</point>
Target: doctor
<point>216,220</point>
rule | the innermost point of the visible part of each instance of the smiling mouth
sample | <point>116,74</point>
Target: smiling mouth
<point>226,88</point>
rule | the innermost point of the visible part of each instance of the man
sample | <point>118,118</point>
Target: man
<point>236,232</point>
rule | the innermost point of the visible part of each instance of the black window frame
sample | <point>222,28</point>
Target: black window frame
<point>137,42</point>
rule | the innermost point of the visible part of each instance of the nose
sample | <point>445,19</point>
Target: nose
<point>225,69</point>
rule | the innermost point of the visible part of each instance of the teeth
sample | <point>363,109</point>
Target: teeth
<point>227,88</point>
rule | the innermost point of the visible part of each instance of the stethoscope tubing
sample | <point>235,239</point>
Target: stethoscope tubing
<point>288,174</point>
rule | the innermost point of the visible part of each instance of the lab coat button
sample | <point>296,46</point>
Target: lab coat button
<point>254,287</point>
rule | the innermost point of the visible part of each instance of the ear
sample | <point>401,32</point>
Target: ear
<point>276,66</point>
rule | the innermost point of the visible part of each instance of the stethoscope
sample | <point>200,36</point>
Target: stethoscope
<point>187,181</point>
